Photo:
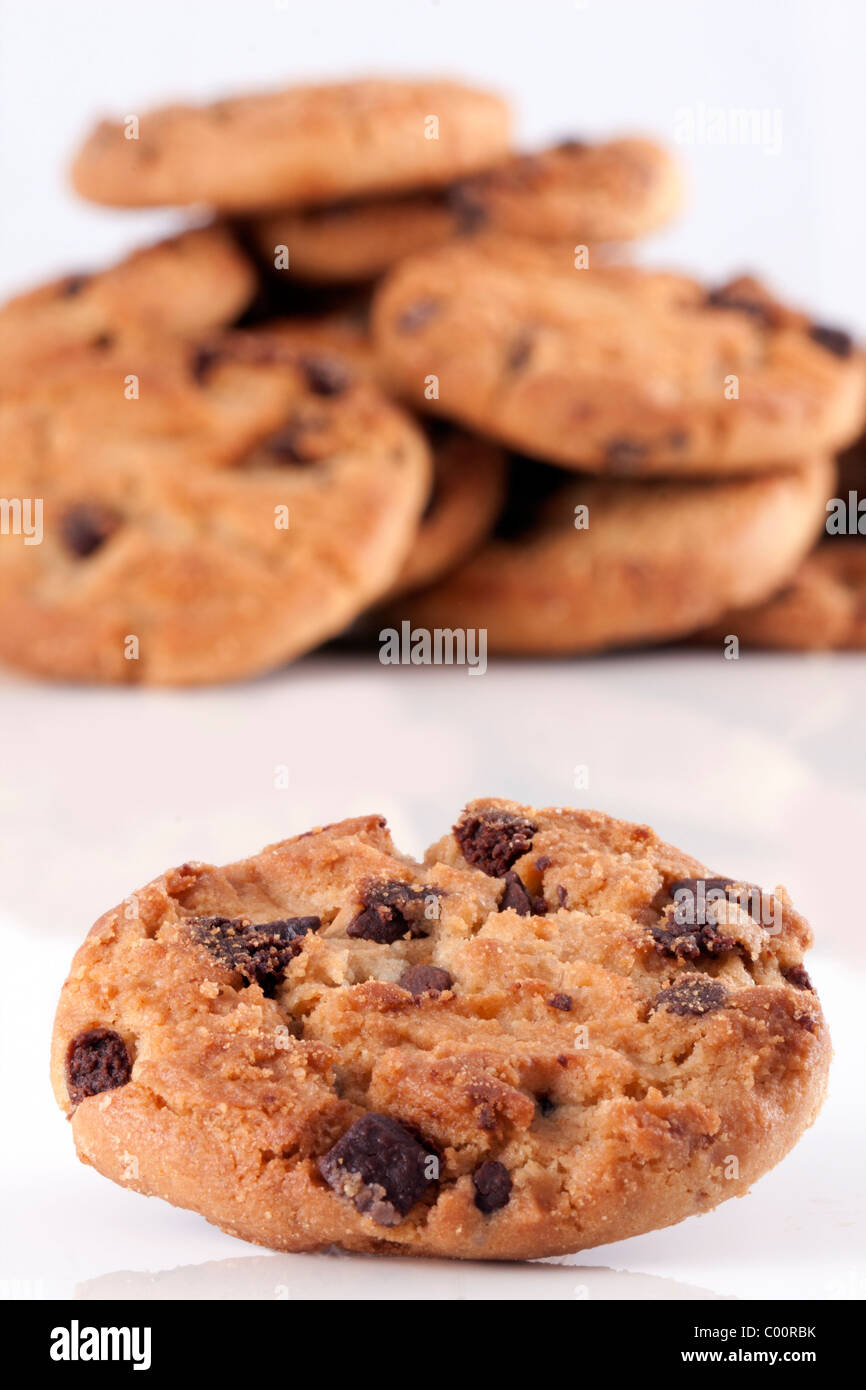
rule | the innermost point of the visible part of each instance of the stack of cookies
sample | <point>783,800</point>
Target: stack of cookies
<point>402,373</point>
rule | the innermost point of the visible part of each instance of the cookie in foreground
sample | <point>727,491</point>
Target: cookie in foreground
<point>552,1032</point>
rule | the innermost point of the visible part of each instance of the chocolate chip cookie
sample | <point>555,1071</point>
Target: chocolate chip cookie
<point>553,1032</point>
<point>578,564</point>
<point>574,192</point>
<point>188,284</point>
<point>305,144</point>
<point>247,503</point>
<point>822,606</point>
<point>614,368</point>
<point>468,484</point>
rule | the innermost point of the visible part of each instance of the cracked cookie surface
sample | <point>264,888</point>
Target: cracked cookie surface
<point>612,368</point>
<point>331,1043</point>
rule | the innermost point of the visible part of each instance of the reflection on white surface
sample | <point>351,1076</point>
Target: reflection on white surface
<point>339,1276</point>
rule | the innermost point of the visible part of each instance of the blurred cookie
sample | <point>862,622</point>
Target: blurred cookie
<point>468,484</point>
<point>553,1032</point>
<point>216,527</point>
<point>613,368</point>
<point>305,144</point>
<point>187,284</point>
<point>573,192</point>
<point>645,561</point>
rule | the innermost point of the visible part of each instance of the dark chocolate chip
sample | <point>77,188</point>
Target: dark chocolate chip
<point>259,951</point>
<point>73,285</point>
<point>624,455</point>
<point>841,344</point>
<point>378,1166</point>
<point>326,376</point>
<point>103,342</point>
<point>520,351</point>
<point>543,861</point>
<point>684,941</point>
<point>518,898</point>
<point>493,840</point>
<point>798,976</point>
<point>417,315</point>
<point>561,1001</point>
<point>425,979</point>
<point>693,994</point>
<point>87,526</point>
<point>492,1182</point>
<point>391,910</point>
<point>97,1060</point>
<point>288,445</point>
<point>678,439</point>
<point>562,895</point>
<point>733,296</point>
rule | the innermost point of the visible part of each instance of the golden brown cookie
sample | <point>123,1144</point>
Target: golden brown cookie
<point>822,606</point>
<point>614,368</point>
<point>234,515</point>
<point>579,564</point>
<point>571,193</point>
<point>468,483</point>
<point>306,144</point>
<point>188,284</point>
<point>553,1032</point>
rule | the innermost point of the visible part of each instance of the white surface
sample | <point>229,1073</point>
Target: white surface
<point>755,767</point>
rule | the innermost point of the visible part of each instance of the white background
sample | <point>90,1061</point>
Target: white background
<point>757,767</point>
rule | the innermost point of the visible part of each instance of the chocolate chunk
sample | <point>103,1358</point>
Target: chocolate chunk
<point>688,941</point>
<point>73,285</point>
<point>260,951</point>
<point>417,315</point>
<point>492,1182</point>
<point>520,351</point>
<point>379,1167</point>
<point>561,1001</point>
<point>693,994</point>
<point>103,342</point>
<point>571,146</point>
<point>97,1060</point>
<point>326,376</point>
<point>735,295</point>
<point>833,339</point>
<point>562,894</point>
<point>465,202</point>
<point>546,1106</point>
<point>493,840</point>
<point>691,895</point>
<point>87,526</point>
<point>425,979</point>
<point>518,898</point>
<point>624,455</point>
<point>289,445</point>
<point>391,910</point>
<point>798,976</point>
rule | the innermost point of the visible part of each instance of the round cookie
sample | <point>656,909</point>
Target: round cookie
<point>554,1032</point>
<point>468,484</point>
<point>823,604</point>
<point>605,192</point>
<point>188,284</point>
<point>614,368</point>
<point>224,522</point>
<point>305,144</point>
<point>580,564</point>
